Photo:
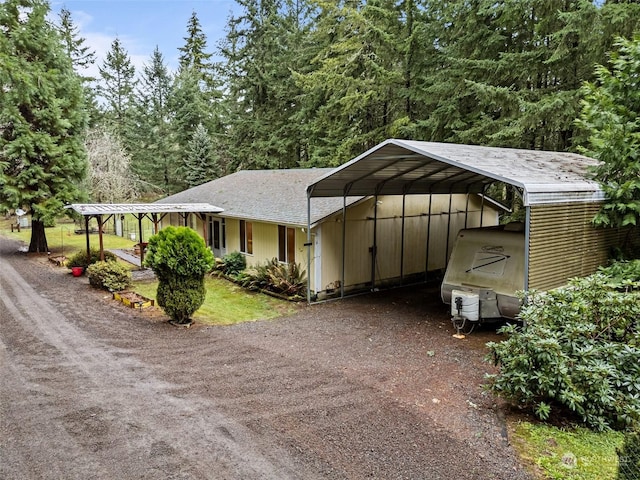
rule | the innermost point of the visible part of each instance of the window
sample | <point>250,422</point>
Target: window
<point>286,244</point>
<point>246,237</point>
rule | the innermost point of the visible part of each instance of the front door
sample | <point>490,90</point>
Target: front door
<point>217,237</point>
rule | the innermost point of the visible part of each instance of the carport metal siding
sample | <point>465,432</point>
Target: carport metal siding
<point>564,244</point>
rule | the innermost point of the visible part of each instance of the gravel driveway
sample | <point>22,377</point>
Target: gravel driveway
<point>369,387</point>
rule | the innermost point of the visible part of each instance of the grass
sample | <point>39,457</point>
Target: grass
<point>568,454</point>
<point>62,239</point>
<point>227,303</point>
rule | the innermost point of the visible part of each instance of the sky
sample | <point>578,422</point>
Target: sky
<point>142,24</point>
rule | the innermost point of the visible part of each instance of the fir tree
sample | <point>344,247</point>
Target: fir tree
<point>42,119</point>
<point>117,87</point>
<point>201,165</point>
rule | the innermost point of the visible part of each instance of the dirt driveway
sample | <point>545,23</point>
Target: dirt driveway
<point>369,387</point>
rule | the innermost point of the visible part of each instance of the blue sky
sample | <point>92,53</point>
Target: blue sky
<point>142,24</point>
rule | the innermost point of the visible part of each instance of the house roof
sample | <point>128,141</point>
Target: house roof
<point>274,196</point>
<point>397,167</point>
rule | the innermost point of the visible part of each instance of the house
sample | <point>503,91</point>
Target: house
<point>344,243</point>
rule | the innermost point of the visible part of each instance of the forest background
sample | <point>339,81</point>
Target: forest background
<point>304,83</point>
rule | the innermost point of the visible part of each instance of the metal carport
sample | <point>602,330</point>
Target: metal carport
<point>102,212</point>
<point>555,188</point>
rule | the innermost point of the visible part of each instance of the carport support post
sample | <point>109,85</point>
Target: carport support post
<point>527,239</point>
<point>404,198</point>
<point>426,266</point>
<point>86,234</point>
<point>374,248</point>
<point>344,243</point>
<point>99,217</point>
<point>139,216</point>
<point>446,252</point>
<point>309,248</point>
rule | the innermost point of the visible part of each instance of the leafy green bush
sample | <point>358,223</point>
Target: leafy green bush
<point>623,273</point>
<point>283,278</point>
<point>578,352</point>
<point>112,276</point>
<point>180,259</point>
<point>80,259</point>
<point>232,263</point>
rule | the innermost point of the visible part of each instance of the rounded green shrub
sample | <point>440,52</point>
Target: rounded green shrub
<point>180,259</point>
<point>112,276</point>
<point>180,297</point>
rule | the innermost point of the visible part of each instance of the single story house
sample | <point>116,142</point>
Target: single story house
<point>344,243</point>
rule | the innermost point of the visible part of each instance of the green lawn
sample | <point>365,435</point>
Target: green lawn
<point>63,240</point>
<point>571,454</point>
<point>227,303</point>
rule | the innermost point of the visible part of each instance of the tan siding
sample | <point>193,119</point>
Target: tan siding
<point>563,244</point>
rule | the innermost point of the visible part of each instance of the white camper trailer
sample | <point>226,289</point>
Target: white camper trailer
<point>485,270</point>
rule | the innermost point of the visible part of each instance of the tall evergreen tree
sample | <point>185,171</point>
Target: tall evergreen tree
<point>42,119</point>
<point>196,97</point>
<point>356,89</point>
<point>262,47</point>
<point>82,58</point>
<point>152,143</point>
<point>117,87</point>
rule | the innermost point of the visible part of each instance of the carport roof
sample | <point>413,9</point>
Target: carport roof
<point>91,209</point>
<point>397,167</point>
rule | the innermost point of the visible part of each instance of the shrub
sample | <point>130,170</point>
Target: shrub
<point>180,258</point>
<point>282,278</point>
<point>578,351</point>
<point>180,297</point>
<point>112,276</point>
<point>232,263</point>
<point>80,259</point>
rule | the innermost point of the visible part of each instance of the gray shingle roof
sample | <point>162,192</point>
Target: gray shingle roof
<point>276,196</point>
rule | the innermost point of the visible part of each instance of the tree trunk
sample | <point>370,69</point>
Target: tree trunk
<point>38,238</point>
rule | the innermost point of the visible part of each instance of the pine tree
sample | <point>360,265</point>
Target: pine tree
<point>42,119</point>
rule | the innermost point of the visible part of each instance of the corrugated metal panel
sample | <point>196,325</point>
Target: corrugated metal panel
<point>563,244</point>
